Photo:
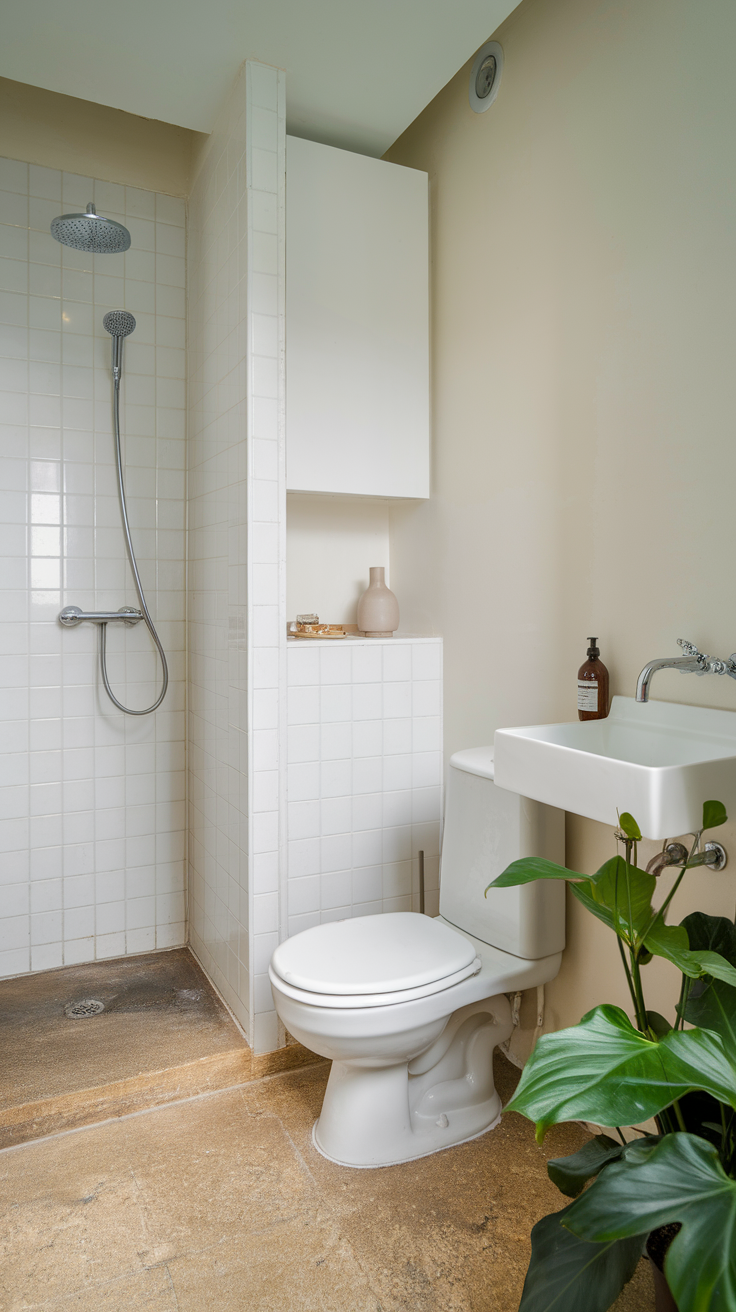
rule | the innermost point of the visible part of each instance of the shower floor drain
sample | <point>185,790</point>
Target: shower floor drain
<point>83,1007</point>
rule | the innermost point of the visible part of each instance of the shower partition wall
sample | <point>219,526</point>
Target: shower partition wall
<point>237,504</point>
<point>91,801</point>
<point>360,793</point>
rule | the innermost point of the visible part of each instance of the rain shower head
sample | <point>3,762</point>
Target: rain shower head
<point>118,323</point>
<point>90,232</point>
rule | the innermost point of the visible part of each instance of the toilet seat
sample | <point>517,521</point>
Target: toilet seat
<point>347,1000</point>
<point>373,961</point>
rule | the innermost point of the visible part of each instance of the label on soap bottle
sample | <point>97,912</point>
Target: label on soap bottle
<point>587,694</point>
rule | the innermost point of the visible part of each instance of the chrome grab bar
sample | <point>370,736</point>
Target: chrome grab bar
<point>70,616</point>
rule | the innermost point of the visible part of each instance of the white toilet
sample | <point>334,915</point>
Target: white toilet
<point>410,1008</point>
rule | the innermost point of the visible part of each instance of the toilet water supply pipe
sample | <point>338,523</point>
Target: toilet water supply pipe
<point>515,1000</point>
<point>540,1015</point>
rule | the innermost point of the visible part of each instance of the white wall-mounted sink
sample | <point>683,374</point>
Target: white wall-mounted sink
<point>658,760</point>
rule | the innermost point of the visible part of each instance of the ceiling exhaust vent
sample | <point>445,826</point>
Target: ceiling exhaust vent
<point>485,77</point>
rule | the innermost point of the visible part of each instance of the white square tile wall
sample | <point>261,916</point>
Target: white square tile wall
<point>365,775</point>
<point>237,548</point>
<point>91,802</point>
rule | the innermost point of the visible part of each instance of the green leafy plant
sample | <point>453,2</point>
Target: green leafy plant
<point>617,1072</point>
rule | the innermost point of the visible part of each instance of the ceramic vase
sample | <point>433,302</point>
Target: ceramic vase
<point>378,609</point>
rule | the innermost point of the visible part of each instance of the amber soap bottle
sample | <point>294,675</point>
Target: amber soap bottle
<point>593,686</point>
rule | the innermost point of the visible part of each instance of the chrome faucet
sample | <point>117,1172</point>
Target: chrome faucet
<point>693,662</point>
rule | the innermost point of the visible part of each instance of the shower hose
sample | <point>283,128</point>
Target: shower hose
<point>136,577</point>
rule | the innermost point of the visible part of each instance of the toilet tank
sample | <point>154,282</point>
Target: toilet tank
<point>486,828</point>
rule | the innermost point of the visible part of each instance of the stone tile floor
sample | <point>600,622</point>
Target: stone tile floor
<point>222,1203</point>
<point>163,1034</point>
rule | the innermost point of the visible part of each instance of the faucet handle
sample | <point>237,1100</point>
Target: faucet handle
<point>705,663</point>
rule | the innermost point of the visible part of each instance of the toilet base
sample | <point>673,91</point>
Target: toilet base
<point>382,1114</point>
<point>428,1152</point>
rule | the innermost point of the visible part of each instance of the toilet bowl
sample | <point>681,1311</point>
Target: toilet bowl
<point>409,1008</point>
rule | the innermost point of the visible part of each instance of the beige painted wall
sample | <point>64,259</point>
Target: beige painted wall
<point>61,132</point>
<point>584,339</point>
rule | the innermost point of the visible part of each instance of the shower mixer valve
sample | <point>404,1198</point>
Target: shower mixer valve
<point>70,616</point>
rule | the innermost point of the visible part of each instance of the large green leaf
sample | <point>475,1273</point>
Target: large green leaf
<point>604,1070</point>
<point>568,1274</point>
<point>530,868</point>
<point>712,1003</point>
<point>571,1173</point>
<point>672,942</point>
<point>681,1179</point>
<point>617,894</point>
<point>711,934</point>
<point>607,888</point>
<point>714,814</point>
<point>620,894</point>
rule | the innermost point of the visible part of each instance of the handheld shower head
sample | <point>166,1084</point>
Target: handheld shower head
<point>119,324</point>
<point>91,232</point>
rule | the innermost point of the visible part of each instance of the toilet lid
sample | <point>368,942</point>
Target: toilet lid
<point>386,953</point>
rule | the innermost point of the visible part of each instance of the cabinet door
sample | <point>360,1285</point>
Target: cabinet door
<point>357,324</point>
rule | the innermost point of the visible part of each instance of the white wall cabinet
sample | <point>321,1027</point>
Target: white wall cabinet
<point>357,324</point>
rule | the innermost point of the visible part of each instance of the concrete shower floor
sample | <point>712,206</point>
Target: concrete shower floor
<point>164,1034</point>
<point>221,1202</point>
